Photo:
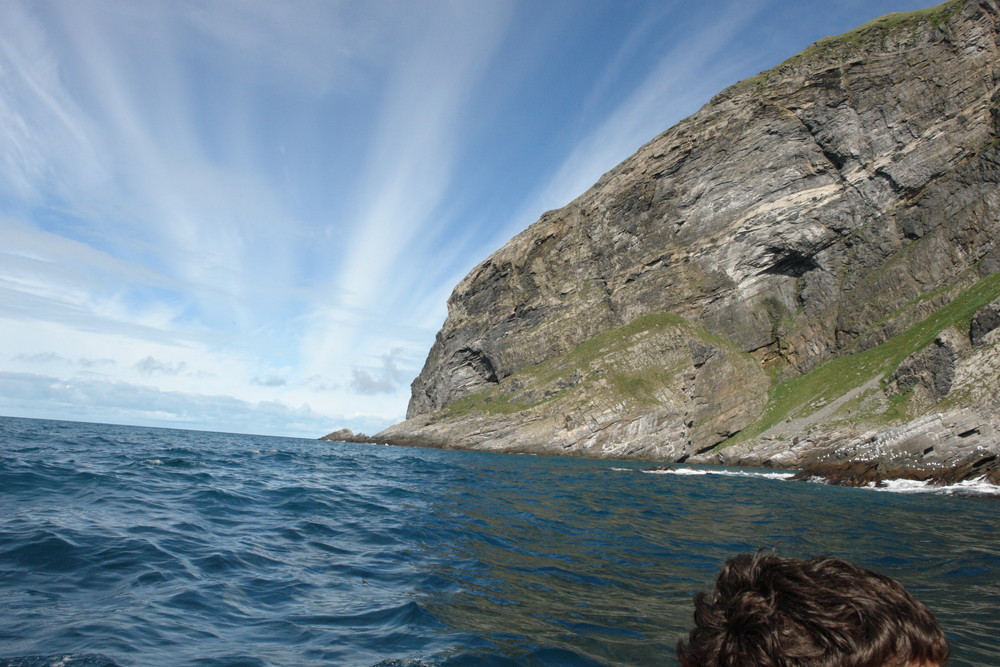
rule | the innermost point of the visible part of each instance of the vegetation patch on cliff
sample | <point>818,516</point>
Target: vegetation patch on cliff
<point>607,364</point>
<point>802,395</point>
<point>875,31</point>
<point>882,26</point>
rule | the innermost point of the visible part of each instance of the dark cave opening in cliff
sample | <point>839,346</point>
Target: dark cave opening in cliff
<point>791,263</point>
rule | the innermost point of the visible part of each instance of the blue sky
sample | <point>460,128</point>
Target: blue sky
<point>247,215</point>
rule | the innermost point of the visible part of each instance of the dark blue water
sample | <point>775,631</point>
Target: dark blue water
<point>134,546</point>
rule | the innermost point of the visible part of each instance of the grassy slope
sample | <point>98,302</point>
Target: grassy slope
<point>801,395</point>
<point>590,364</point>
<point>797,396</point>
<point>875,30</point>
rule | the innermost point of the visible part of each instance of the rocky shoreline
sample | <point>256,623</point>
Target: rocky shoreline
<point>876,474</point>
<point>815,462</point>
<point>940,448</point>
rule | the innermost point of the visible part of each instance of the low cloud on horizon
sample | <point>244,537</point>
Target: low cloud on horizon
<point>103,400</point>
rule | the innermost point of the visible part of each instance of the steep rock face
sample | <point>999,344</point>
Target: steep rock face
<point>656,388</point>
<point>814,211</point>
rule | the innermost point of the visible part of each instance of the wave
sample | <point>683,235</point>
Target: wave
<point>970,487</point>
<point>974,487</point>
<point>725,473</point>
<point>173,463</point>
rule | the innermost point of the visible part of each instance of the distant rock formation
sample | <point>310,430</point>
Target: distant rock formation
<point>346,435</point>
<point>804,270</point>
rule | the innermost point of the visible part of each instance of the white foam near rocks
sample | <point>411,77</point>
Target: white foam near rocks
<point>728,473</point>
<point>968,487</point>
<point>974,487</point>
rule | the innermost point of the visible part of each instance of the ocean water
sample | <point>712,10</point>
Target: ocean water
<point>137,546</point>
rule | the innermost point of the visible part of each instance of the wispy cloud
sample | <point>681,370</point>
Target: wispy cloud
<point>679,81</point>
<point>269,381</point>
<point>384,380</point>
<point>324,45</point>
<point>69,272</point>
<point>406,171</point>
<point>44,135</point>
<point>40,358</point>
<point>55,358</point>
<point>321,384</point>
<point>153,366</point>
<point>96,363</point>
<point>410,163</point>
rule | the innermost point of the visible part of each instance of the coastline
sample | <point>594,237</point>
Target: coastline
<point>833,460</point>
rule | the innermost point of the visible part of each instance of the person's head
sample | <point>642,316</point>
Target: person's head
<point>768,611</point>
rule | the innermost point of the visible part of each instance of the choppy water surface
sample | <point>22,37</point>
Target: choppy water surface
<point>133,546</point>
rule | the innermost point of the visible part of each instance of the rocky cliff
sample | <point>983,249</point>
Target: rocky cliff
<point>805,268</point>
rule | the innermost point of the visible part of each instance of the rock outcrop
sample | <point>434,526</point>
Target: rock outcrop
<point>807,264</point>
<point>346,435</point>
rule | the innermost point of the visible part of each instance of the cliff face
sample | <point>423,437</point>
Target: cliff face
<point>822,212</point>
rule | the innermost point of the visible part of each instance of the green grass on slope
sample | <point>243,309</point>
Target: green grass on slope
<point>875,30</point>
<point>546,381</point>
<point>937,16</point>
<point>798,396</point>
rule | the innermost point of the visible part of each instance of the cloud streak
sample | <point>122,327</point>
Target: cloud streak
<point>152,366</point>
<point>269,381</point>
<point>385,380</point>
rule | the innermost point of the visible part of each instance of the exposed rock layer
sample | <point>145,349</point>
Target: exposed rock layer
<point>837,206</point>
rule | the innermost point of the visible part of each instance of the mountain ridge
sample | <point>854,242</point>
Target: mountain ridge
<point>815,212</point>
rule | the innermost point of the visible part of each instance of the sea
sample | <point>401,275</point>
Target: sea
<point>122,545</point>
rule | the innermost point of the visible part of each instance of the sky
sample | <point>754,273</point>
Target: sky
<point>247,215</point>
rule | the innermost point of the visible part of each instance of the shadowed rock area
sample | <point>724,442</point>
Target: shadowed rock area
<point>804,271</point>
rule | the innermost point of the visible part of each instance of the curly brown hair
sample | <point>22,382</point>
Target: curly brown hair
<point>769,611</point>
